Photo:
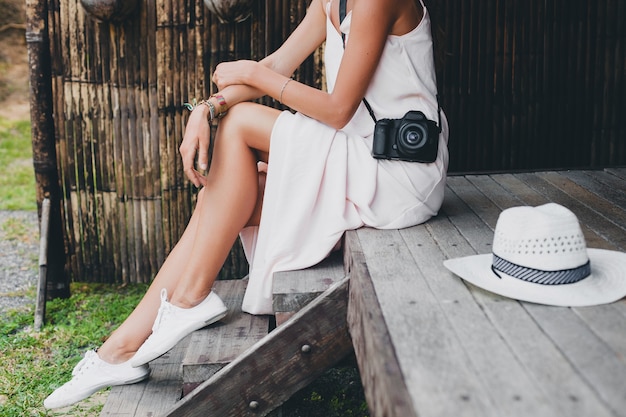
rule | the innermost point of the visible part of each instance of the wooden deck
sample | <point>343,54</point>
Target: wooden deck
<point>428,344</point>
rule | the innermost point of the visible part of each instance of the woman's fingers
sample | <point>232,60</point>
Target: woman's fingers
<point>188,158</point>
<point>203,153</point>
<point>195,144</point>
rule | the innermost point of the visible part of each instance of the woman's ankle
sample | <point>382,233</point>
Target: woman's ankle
<point>187,300</point>
<point>114,356</point>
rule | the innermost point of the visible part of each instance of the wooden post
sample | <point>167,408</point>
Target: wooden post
<point>42,133</point>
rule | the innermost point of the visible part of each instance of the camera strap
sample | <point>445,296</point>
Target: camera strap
<point>342,15</point>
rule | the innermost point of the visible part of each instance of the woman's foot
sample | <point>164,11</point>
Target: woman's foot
<point>92,374</point>
<point>174,323</point>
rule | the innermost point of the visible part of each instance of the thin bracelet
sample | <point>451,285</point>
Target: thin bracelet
<point>211,107</point>
<point>223,106</point>
<point>282,90</point>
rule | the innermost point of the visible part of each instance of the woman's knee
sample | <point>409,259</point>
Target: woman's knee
<point>237,119</point>
<point>251,123</point>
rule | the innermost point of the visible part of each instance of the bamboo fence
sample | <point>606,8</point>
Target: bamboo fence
<point>525,85</point>
<point>534,84</point>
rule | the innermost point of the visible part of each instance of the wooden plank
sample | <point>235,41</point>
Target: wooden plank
<point>595,201</point>
<point>292,290</point>
<point>212,348</point>
<point>473,228</point>
<point>566,393</point>
<point>499,195</point>
<point>618,172</point>
<point>593,359</point>
<point>602,184</point>
<point>476,200</point>
<point>520,189</point>
<point>381,374</point>
<point>124,400</point>
<point>607,322</point>
<point>283,362</point>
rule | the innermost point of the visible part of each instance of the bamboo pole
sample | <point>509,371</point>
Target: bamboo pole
<point>44,228</point>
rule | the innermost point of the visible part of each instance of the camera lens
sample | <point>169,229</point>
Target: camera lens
<point>411,138</point>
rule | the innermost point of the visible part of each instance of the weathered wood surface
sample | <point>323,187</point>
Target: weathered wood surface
<point>292,290</point>
<point>285,361</point>
<point>429,344</point>
<point>212,348</point>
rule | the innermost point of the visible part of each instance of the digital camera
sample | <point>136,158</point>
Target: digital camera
<point>413,138</point>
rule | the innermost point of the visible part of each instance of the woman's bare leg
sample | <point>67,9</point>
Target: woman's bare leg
<point>230,197</point>
<point>228,202</point>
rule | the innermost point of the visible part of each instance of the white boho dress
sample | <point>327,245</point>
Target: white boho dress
<point>322,181</point>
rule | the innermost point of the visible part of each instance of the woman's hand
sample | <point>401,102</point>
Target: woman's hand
<point>196,142</point>
<point>236,73</point>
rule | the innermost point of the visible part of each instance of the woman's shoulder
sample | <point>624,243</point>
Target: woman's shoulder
<point>402,16</point>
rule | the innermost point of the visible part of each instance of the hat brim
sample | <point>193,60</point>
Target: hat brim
<point>606,284</point>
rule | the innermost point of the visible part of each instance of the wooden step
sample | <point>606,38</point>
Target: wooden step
<point>193,360</point>
<point>285,361</point>
<point>212,348</point>
<point>295,289</point>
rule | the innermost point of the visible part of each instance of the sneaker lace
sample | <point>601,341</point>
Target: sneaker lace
<point>163,310</point>
<point>78,366</point>
<point>85,363</point>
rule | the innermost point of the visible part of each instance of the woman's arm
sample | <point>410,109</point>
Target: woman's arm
<point>302,42</point>
<point>307,37</point>
<point>372,21</point>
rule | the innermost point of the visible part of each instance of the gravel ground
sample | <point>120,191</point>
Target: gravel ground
<point>19,258</point>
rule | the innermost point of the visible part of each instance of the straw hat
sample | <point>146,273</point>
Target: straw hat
<point>540,255</point>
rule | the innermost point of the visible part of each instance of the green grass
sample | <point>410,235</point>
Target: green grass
<point>17,177</point>
<point>14,229</point>
<point>35,363</point>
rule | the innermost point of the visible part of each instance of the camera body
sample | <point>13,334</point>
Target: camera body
<point>413,138</point>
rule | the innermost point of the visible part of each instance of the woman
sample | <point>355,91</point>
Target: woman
<point>290,184</point>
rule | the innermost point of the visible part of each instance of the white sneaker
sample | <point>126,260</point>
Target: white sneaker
<point>92,374</point>
<point>174,323</point>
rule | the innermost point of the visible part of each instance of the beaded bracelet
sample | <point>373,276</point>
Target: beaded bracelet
<point>211,107</point>
<point>223,106</point>
<point>194,103</point>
